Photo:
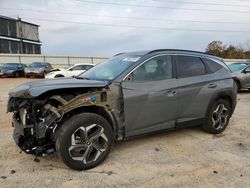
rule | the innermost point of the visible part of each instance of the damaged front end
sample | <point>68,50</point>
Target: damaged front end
<point>41,107</point>
<point>34,123</point>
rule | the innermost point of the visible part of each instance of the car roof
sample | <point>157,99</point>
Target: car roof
<point>83,64</point>
<point>179,51</point>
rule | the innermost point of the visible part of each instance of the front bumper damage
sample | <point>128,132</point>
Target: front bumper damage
<point>34,123</point>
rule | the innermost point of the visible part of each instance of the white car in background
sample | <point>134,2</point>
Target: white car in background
<point>75,70</point>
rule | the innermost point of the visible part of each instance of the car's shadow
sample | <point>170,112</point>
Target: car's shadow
<point>125,146</point>
<point>246,91</point>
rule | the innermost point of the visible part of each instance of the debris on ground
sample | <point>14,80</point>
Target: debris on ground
<point>37,160</point>
<point>12,171</point>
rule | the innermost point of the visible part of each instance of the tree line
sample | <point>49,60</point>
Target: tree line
<point>219,49</point>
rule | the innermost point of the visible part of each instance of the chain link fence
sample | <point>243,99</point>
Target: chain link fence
<point>56,61</point>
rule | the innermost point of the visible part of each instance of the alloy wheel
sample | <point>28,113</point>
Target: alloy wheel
<point>88,143</point>
<point>220,117</point>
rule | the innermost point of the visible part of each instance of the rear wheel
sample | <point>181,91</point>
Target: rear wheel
<point>84,141</point>
<point>218,117</point>
<point>59,76</point>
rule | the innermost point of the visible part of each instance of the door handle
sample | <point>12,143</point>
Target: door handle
<point>170,93</point>
<point>212,85</point>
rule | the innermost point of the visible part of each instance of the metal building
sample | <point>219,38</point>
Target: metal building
<point>19,37</point>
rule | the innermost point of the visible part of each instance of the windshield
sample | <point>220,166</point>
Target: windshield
<point>111,68</point>
<point>237,66</point>
<point>10,64</point>
<point>37,64</point>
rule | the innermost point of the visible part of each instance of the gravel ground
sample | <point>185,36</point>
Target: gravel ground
<point>184,158</point>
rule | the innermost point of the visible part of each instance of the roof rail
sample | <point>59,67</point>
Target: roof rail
<point>180,50</point>
<point>118,54</point>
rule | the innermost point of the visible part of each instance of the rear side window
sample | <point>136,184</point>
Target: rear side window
<point>188,66</point>
<point>212,66</point>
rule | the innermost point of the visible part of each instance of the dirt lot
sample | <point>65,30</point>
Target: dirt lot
<point>185,158</point>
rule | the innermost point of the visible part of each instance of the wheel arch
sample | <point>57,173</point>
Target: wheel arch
<point>225,95</point>
<point>59,75</point>
<point>99,110</point>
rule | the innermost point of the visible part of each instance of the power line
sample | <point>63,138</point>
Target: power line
<point>140,27</point>
<point>127,17</point>
<point>198,3</point>
<point>163,7</point>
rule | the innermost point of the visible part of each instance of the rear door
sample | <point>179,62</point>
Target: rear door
<point>150,98</point>
<point>195,87</point>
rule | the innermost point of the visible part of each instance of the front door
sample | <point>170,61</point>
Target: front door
<point>150,97</point>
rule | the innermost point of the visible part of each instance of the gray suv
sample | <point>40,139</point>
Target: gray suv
<point>241,71</point>
<point>38,69</point>
<point>130,94</point>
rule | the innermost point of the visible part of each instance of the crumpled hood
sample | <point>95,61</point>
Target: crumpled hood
<point>36,88</point>
<point>57,72</point>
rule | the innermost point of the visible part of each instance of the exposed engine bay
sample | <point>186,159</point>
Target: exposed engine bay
<point>34,124</point>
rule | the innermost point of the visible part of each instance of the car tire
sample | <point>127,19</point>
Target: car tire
<point>218,117</point>
<point>16,74</point>
<point>59,76</point>
<point>84,141</point>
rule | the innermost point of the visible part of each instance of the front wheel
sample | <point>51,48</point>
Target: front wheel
<point>16,74</point>
<point>218,117</point>
<point>84,141</point>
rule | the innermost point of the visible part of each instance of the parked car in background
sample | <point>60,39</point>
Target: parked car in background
<point>241,71</point>
<point>131,94</point>
<point>12,70</point>
<point>75,70</point>
<point>38,69</point>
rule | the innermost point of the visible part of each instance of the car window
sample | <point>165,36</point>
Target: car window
<point>158,68</point>
<point>188,66</point>
<point>87,67</point>
<point>237,66</point>
<point>77,67</point>
<point>212,65</point>
<point>37,64</point>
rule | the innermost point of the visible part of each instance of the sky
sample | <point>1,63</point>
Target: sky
<point>108,27</point>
